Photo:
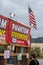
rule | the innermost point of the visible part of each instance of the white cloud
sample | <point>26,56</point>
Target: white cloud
<point>20,8</point>
<point>4,3</point>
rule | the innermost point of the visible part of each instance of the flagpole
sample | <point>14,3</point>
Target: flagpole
<point>32,23</point>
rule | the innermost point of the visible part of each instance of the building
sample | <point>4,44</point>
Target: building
<point>38,45</point>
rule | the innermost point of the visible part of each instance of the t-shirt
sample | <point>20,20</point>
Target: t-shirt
<point>37,62</point>
<point>34,62</point>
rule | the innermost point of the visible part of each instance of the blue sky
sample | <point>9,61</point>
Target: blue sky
<point>20,8</point>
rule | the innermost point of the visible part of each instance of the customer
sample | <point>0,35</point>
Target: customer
<point>34,61</point>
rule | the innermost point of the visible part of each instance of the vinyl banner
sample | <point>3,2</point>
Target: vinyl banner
<point>3,24</point>
<point>4,29</point>
<point>13,32</point>
<point>19,33</point>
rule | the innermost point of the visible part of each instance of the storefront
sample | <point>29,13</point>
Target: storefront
<point>15,39</point>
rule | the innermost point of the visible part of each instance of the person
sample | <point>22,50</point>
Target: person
<point>30,58</point>
<point>34,61</point>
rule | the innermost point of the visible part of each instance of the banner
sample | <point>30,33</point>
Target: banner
<point>8,32</point>
<point>5,30</point>
<point>3,24</point>
<point>19,41</point>
<point>19,56</point>
<point>19,33</point>
<point>13,32</point>
<point>6,54</point>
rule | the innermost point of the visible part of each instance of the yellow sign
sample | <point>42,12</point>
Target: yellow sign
<point>2,31</point>
<point>19,35</point>
<point>16,35</point>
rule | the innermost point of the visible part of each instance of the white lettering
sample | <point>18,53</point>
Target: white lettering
<point>2,23</point>
<point>18,28</point>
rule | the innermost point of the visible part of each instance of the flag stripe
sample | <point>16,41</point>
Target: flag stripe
<point>32,18</point>
<point>33,25</point>
<point>32,21</point>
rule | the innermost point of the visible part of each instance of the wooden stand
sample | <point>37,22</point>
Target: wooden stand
<point>24,53</point>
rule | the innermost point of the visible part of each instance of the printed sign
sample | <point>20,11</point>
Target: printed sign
<point>19,28</point>
<point>6,54</point>
<point>13,32</point>
<point>19,41</point>
<point>2,30</point>
<point>27,55</point>
<point>19,33</point>
<point>19,56</point>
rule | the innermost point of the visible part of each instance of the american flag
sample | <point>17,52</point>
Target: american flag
<point>32,21</point>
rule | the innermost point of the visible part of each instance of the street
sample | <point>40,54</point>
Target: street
<point>40,61</point>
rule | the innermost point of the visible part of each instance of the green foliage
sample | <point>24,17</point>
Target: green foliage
<point>1,48</point>
<point>41,55</point>
<point>36,50</point>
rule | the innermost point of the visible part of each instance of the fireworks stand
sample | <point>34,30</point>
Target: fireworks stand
<point>14,42</point>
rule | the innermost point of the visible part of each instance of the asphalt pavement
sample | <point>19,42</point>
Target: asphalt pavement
<point>40,61</point>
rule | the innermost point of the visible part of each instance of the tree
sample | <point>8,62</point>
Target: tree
<point>36,50</point>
